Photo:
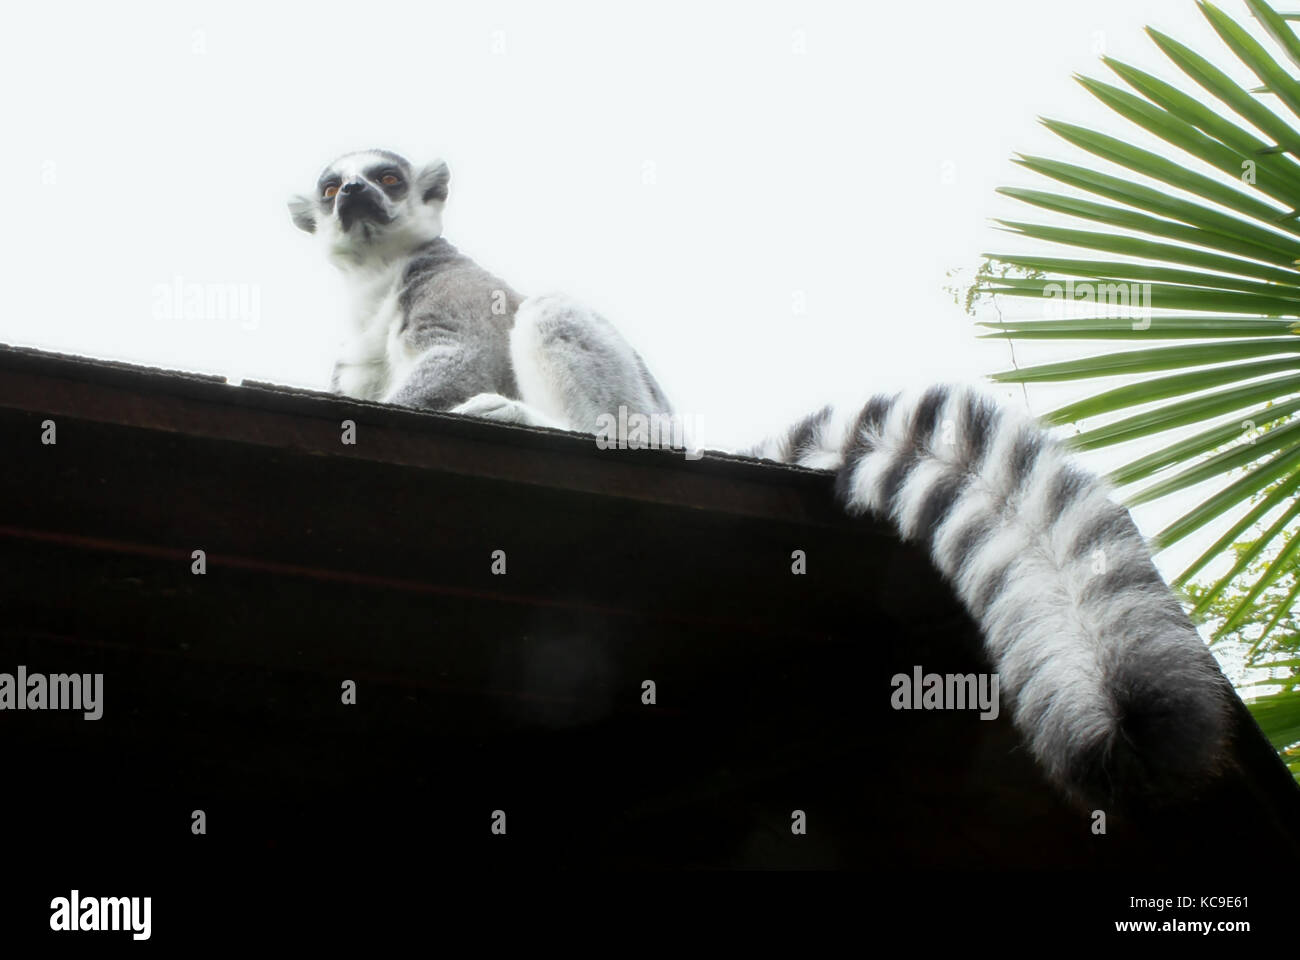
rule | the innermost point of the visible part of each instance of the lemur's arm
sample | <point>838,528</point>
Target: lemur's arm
<point>444,376</point>
<point>455,332</point>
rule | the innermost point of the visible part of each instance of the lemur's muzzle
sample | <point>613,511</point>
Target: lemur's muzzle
<point>358,200</point>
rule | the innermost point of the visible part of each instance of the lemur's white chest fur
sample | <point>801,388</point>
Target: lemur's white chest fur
<point>373,359</point>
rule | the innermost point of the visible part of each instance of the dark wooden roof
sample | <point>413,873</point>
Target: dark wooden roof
<point>479,692</point>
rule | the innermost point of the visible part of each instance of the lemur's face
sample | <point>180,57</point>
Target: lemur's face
<point>371,206</point>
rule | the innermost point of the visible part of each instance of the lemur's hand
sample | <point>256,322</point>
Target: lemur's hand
<point>493,406</point>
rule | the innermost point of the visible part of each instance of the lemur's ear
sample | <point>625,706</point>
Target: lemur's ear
<point>303,212</point>
<point>432,181</point>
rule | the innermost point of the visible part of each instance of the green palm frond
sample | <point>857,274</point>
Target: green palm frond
<point>1196,246</point>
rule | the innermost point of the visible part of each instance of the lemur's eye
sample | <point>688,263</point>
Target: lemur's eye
<point>389,180</point>
<point>329,191</point>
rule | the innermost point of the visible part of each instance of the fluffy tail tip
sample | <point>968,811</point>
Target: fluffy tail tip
<point>1170,729</point>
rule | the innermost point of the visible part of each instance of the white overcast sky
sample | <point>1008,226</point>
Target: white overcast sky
<point>695,170</point>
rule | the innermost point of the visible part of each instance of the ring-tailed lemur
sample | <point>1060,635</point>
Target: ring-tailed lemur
<point>1112,688</point>
<point>432,329</point>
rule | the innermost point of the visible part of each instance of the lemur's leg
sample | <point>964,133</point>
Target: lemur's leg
<point>572,365</point>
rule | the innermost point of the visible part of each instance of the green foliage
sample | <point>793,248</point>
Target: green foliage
<point>1194,267</point>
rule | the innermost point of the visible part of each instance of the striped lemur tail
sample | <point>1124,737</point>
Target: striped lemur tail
<point>1111,687</point>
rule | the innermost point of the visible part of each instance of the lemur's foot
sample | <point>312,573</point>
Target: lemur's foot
<point>493,406</point>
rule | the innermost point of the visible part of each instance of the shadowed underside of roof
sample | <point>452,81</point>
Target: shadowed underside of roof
<point>477,690</point>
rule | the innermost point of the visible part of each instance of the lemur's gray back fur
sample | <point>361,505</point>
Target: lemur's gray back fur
<point>1112,688</point>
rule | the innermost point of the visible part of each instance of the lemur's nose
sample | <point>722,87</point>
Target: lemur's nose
<point>356,186</point>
